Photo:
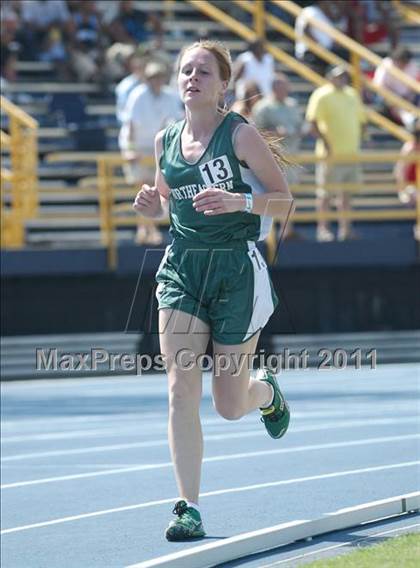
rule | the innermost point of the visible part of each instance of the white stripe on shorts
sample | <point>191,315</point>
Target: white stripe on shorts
<point>161,285</point>
<point>263,305</point>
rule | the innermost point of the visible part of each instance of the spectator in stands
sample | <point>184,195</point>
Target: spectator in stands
<point>279,114</point>
<point>328,13</point>
<point>132,26</point>
<point>86,45</point>
<point>107,10</point>
<point>9,45</point>
<point>371,21</point>
<point>135,65</point>
<point>116,61</point>
<point>155,51</point>
<point>252,94</point>
<point>402,59</point>
<point>336,115</point>
<point>44,29</point>
<point>150,107</point>
<point>407,173</point>
<point>255,64</point>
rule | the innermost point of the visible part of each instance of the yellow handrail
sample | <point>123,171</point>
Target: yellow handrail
<point>300,68</point>
<point>21,115</point>
<point>365,157</point>
<point>114,214</point>
<point>348,43</point>
<point>5,140</point>
<point>217,14</point>
<point>409,13</point>
<point>11,222</point>
<point>334,59</point>
<point>23,145</point>
<point>115,159</point>
<point>259,19</point>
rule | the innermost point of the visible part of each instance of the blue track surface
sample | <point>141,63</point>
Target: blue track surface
<point>87,479</point>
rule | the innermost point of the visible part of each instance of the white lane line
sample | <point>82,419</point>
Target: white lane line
<point>225,457</point>
<point>68,435</point>
<point>26,426</point>
<point>212,494</point>
<point>64,420</point>
<point>113,431</point>
<point>415,419</point>
<point>93,449</point>
<point>335,546</point>
<point>135,445</point>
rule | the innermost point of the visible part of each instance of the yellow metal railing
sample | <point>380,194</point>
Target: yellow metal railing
<point>350,44</point>
<point>22,178</point>
<point>411,13</point>
<point>115,200</point>
<point>377,201</point>
<point>257,10</point>
<point>385,210</point>
<point>331,58</point>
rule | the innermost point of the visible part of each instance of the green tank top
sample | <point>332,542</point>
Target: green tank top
<point>217,167</point>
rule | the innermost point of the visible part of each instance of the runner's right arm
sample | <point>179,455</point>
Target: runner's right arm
<point>154,201</point>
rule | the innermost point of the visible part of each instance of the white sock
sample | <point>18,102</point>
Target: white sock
<point>271,398</point>
<point>193,505</point>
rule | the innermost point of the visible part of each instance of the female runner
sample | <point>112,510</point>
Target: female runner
<point>223,185</point>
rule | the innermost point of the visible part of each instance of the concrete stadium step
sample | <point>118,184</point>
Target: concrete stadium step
<point>67,196</point>
<point>47,211</point>
<point>65,223</point>
<point>83,238</point>
<point>56,240</point>
<point>389,347</point>
<point>18,354</point>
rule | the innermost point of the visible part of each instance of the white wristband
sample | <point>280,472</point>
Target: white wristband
<point>249,202</point>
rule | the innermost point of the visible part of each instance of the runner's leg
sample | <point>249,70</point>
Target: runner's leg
<point>181,332</point>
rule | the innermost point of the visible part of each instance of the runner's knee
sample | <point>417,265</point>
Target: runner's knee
<point>184,394</point>
<point>229,410</point>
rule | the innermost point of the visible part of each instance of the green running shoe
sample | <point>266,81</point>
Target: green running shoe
<point>188,525</point>
<point>277,416</point>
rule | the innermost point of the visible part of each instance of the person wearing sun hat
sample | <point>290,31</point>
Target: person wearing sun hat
<point>150,107</point>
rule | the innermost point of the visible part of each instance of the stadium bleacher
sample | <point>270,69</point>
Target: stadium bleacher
<point>59,182</point>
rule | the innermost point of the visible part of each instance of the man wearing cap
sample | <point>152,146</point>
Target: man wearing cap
<point>150,107</point>
<point>336,115</point>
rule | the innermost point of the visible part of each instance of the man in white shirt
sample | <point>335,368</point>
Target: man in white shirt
<point>402,59</point>
<point>150,107</point>
<point>135,65</point>
<point>323,12</point>
<point>254,65</point>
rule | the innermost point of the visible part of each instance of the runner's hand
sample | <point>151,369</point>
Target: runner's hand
<point>147,201</point>
<point>214,201</point>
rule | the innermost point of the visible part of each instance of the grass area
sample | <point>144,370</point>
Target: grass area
<point>399,552</point>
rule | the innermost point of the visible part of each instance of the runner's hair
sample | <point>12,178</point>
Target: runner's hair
<point>224,63</point>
